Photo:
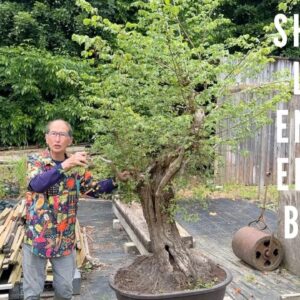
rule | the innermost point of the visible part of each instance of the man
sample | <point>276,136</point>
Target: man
<point>54,187</point>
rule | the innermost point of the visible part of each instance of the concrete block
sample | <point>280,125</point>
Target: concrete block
<point>76,282</point>
<point>130,248</point>
<point>117,225</point>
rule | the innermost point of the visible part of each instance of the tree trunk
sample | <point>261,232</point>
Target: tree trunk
<point>172,267</point>
<point>157,197</point>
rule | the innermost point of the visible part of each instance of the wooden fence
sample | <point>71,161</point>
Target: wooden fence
<point>291,246</point>
<point>248,163</point>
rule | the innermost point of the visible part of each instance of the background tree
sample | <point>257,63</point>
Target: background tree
<point>48,26</point>
<point>35,87</point>
<point>161,92</point>
<point>251,17</point>
<point>36,53</point>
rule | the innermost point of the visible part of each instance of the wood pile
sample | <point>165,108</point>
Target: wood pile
<point>11,238</point>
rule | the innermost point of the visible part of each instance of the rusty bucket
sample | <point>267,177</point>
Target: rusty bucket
<point>259,249</point>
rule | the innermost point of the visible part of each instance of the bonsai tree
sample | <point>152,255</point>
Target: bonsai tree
<point>163,92</point>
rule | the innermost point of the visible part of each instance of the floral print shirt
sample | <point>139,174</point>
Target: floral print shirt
<point>51,210</point>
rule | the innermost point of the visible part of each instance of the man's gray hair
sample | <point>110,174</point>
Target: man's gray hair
<point>70,130</point>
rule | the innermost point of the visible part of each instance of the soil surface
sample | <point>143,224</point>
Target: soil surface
<point>143,276</point>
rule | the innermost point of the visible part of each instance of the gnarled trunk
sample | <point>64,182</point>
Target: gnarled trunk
<point>172,267</point>
<point>169,253</point>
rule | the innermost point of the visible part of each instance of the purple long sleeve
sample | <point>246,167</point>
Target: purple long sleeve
<point>105,186</point>
<point>43,181</point>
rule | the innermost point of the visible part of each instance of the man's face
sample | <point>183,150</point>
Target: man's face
<point>58,138</point>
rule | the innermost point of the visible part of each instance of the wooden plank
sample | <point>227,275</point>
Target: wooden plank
<point>133,218</point>
<point>185,236</point>
<point>21,208</point>
<point>77,234</point>
<point>86,244</point>
<point>247,283</point>
<point>2,256</point>
<point>290,296</point>
<point>4,213</point>
<point>49,277</point>
<point>82,251</point>
<point>14,255</point>
<point>10,237</point>
<point>8,218</point>
<point>291,246</point>
<point>5,233</point>
<point>16,239</point>
<point>130,232</point>
<point>6,286</point>
<point>15,274</point>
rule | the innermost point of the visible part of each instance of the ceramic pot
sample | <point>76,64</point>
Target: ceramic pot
<point>216,292</point>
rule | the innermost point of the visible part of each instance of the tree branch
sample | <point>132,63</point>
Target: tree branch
<point>110,162</point>
<point>171,171</point>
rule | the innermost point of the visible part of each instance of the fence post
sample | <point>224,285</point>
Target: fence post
<point>291,246</point>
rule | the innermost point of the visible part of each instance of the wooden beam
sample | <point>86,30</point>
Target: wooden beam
<point>130,232</point>
<point>132,218</point>
<point>290,297</point>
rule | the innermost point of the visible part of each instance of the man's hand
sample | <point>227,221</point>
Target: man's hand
<point>123,176</point>
<point>75,160</point>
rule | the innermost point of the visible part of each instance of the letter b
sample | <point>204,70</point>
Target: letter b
<point>290,222</point>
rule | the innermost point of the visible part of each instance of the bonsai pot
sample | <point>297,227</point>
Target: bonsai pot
<point>216,292</point>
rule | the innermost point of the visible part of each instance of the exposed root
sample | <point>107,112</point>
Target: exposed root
<point>144,275</point>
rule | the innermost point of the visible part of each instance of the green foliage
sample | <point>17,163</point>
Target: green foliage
<point>250,278</point>
<point>7,12</point>
<point>36,83</point>
<point>2,191</point>
<point>13,180</point>
<point>19,173</point>
<point>35,87</point>
<point>50,24</point>
<point>161,71</point>
<point>201,284</point>
<point>26,28</point>
<point>252,17</point>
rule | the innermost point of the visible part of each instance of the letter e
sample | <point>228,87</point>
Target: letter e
<point>280,126</point>
<point>281,173</point>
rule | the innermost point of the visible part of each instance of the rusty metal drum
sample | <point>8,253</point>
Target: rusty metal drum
<point>259,249</point>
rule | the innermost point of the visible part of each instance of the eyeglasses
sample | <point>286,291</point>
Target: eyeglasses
<point>60,134</point>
